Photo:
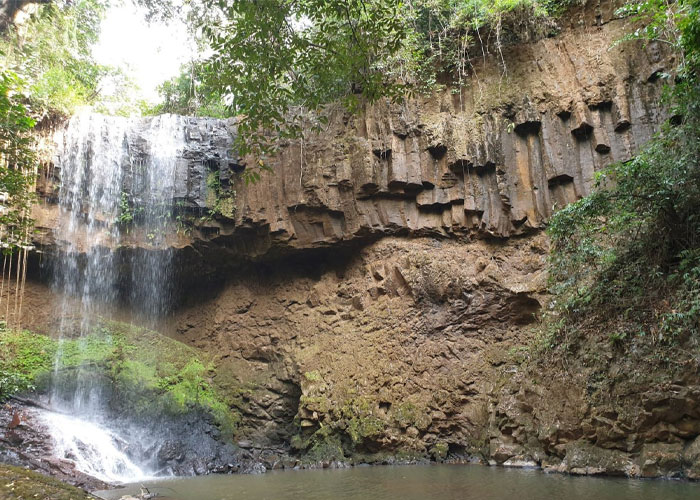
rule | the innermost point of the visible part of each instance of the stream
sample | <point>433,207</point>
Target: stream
<point>419,482</point>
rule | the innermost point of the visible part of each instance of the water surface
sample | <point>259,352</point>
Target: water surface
<point>464,482</point>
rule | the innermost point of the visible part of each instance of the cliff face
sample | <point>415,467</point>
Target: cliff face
<point>375,291</point>
<point>492,159</point>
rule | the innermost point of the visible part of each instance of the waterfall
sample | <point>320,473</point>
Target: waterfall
<point>150,271</point>
<point>95,450</point>
<point>90,155</point>
<point>117,182</point>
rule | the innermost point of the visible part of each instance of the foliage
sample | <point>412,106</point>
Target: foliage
<point>221,202</point>
<point>631,250</point>
<point>277,65</point>
<point>118,94</point>
<point>189,94</point>
<point>12,383</point>
<point>128,213</point>
<point>52,51</point>
<point>17,163</point>
<point>274,59</point>
<point>448,36</point>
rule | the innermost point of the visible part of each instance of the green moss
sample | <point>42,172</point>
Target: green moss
<point>408,414</point>
<point>135,373</point>
<point>23,358</point>
<point>149,372</point>
<point>360,421</point>
<point>313,376</point>
<point>325,449</point>
<point>226,207</point>
<point>342,429</point>
<point>320,404</point>
<point>213,186</point>
<point>405,414</point>
<point>220,201</point>
<point>17,483</point>
<point>323,446</point>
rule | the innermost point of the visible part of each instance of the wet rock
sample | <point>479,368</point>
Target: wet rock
<point>691,459</point>
<point>660,460</point>
<point>30,445</point>
<point>170,451</point>
<point>585,459</point>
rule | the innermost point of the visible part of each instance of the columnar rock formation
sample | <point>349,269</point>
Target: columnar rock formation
<point>493,158</point>
<point>370,295</point>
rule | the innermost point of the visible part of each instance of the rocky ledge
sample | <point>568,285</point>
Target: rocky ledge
<point>493,158</point>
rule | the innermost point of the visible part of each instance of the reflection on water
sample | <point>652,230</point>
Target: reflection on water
<point>462,482</point>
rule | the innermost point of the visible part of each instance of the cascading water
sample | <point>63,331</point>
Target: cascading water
<point>103,184</point>
<point>95,450</point>
<point>90,155</point>
<point>155,183</point>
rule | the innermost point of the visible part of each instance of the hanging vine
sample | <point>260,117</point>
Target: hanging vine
<point>18,170</point>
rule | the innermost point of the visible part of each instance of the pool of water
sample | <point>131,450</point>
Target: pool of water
<point>420,482</point>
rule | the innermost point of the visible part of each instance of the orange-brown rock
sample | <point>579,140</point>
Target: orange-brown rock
<point>376,291</point>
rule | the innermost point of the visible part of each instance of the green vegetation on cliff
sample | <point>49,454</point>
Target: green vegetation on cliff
<point>17,164</point>
<point>628,256</point>
<point>149,373</point>
<point>276,64</point>
<point>51,52</point>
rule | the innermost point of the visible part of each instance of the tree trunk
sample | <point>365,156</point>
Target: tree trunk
<point>10,8</point>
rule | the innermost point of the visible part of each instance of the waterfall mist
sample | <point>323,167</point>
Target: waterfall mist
<point>116,190</point>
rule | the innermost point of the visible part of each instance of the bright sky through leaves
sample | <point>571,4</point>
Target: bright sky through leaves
<point>149,53</point>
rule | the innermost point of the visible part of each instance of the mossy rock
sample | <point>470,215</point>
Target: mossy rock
<point>410,415</point>
<point>143,371</point>
<point>439,451</point>
<point>361,423</point>
<point>17,483</point>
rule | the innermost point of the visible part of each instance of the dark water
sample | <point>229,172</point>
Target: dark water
<point>464,482</point>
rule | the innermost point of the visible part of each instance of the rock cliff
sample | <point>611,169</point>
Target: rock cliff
<point>374,292</point>
<point>491,159</point>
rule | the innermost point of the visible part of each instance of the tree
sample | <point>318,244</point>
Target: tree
<point>52,53</point>
<point>18,164</point>
<point>632,248</point>
<point>273,58</point>
<point>276,64</point>
<point>190,94</point>
<point>10,8</point>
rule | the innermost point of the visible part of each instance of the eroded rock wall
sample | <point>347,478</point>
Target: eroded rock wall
<point>393,347</point>
<point>374,293</point>
<point>493,158</point>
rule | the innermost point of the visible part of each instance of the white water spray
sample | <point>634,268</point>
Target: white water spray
<point>105,168</point>
<point>96,451</point>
